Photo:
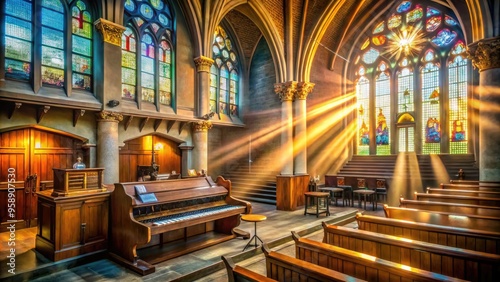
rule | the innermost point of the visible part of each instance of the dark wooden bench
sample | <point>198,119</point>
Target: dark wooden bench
<point>474,193</point>
<point>450,207</point>
<point>459,199</point>
<point>280,267</point>
<point>486,186</point>
<point>360,265</point>
<point>487,223</point>
<point>471,239</point>
<point>454,262</point>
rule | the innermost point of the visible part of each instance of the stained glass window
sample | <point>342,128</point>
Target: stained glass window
<point>224,76</point>
<point>149,33</point>
<point>363,108</point>
<point>458,122</point>
<point>413,47</point>
<point>55,46</point>
<point>383,107</point>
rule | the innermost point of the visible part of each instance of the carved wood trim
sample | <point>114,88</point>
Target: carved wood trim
<point>77,114</point>
<point>15,106</point>
<point>143,123</point>
<point>157,124</point>
<point>40,113</point>
<point>128,122</point>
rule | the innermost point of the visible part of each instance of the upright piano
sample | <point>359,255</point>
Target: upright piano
<point>158,220</point>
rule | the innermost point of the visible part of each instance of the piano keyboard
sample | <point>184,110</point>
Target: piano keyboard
<point>158,221</point>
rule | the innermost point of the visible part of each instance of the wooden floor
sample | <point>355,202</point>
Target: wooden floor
<point>202,265</point>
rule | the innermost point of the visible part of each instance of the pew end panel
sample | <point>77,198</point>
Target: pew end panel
<point>236,273</point>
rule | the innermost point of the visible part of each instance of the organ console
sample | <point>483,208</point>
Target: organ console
<point>155,221</point>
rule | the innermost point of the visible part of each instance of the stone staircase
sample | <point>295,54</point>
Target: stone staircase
<point>255,183</point>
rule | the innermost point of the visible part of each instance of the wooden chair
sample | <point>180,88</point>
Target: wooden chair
<point>381,189</point>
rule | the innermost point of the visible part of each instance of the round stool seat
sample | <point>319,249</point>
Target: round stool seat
<point>253,217</point>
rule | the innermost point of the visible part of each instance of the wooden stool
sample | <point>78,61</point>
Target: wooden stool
<point>253,218</point>
<point>332,191</point>
<point>316,196</point>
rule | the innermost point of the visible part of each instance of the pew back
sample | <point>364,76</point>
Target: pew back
<point>470,200</point>
<point>478,240</point>
<point>236,273</point>
<point>474,193</point>
<point>360,265</point>
<point>454,262</point>
<point>450,207</point>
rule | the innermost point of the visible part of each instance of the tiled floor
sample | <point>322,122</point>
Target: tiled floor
<point>202,265</point>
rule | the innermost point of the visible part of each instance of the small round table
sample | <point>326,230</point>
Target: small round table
<point>316,196</point>
<point>333,191</point>
<point>253,218</point>
<point>366,194</point>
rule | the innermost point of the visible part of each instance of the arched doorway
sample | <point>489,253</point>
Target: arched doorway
<point>140,152</point>
<point>406,133</point>
<point>25,152</point>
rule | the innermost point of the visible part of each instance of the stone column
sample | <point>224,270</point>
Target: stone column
<point>108,156</point>
<point>485,55</point>
<point>300,142</point>
<point>186,159</point>
<point>200,142</point>
<point>286,92</point>
<point>203,65</point>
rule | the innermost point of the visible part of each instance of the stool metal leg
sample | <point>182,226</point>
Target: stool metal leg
<point>254,236</point>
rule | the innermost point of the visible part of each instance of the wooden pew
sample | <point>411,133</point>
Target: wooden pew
<point>487,223</point>
<point>471,239</point>
<point>450,207</point>
<point>236,273</point>
<point>467,182</point>
<point>492,186</point>
<point>459,199</point>
<point>286,268</point>
<point>454,262</point>
<point>360,265</point>
<point>473,193</point>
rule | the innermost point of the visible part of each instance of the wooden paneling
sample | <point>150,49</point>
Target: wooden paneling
<point>139,151</point>
<point>290,191</point>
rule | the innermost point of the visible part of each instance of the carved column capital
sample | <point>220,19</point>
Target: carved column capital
<point>203,64</point>
<point>109,116</point>
<point>286,90</point>
<point>202,125</point>
<point>485,53</point>
<point>303,89</point>
<point>111,32</point>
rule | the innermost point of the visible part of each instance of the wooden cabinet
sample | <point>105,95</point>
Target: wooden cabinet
<point>72,225</point>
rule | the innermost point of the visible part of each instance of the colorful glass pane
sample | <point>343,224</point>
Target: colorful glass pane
<point>128,91</point>
<point>165,98</point>
<point>82,45</point>
<point>444,37</point>
<point>81,81</point>
<point>457,103</point>
<point>383,104</point>
<point>54,5</point>
<point>394,21</point>
<point>52,19</point>
<point>17,28</point>
<point>81,5</point>
<point>17,70</point>
<point>147,64</point>
<point>155,27</point>
<point>367,42</point>
<point>432,12</point>
<point>52,38</point>
<point>415,15</point>
<point>157,4</point>
<point>52,57</point>
<point>433,23</point>
<point>82,28</point>
<point>139,21</point>
<point>128,60</point>
<point>404,6</point>
<point>19,8</point>
<point>146,11</point>
<point>148,95</point>
<point>459,48</point>
<point>228,44</point>
<point>379,28</point>
<point>128,76</point>
<point>17,49</point>
<point>163,19</point>
<point>220,42</point>
<point>371,55</point>
<point>379,40</point>
<point>450,21</point>
<point>52,76</point>
<point>82,64</point>
<point>129,5</point>
<point>431,128</point>
<point>363,94</point>
<point>429,56</point>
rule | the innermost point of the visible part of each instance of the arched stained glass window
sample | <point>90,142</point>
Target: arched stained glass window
<point>363,107</point>
<point>149,31</point>
<point>383,106</point>
<point>56,47</point>
<point>224,76</point>
<point>413,60</point>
